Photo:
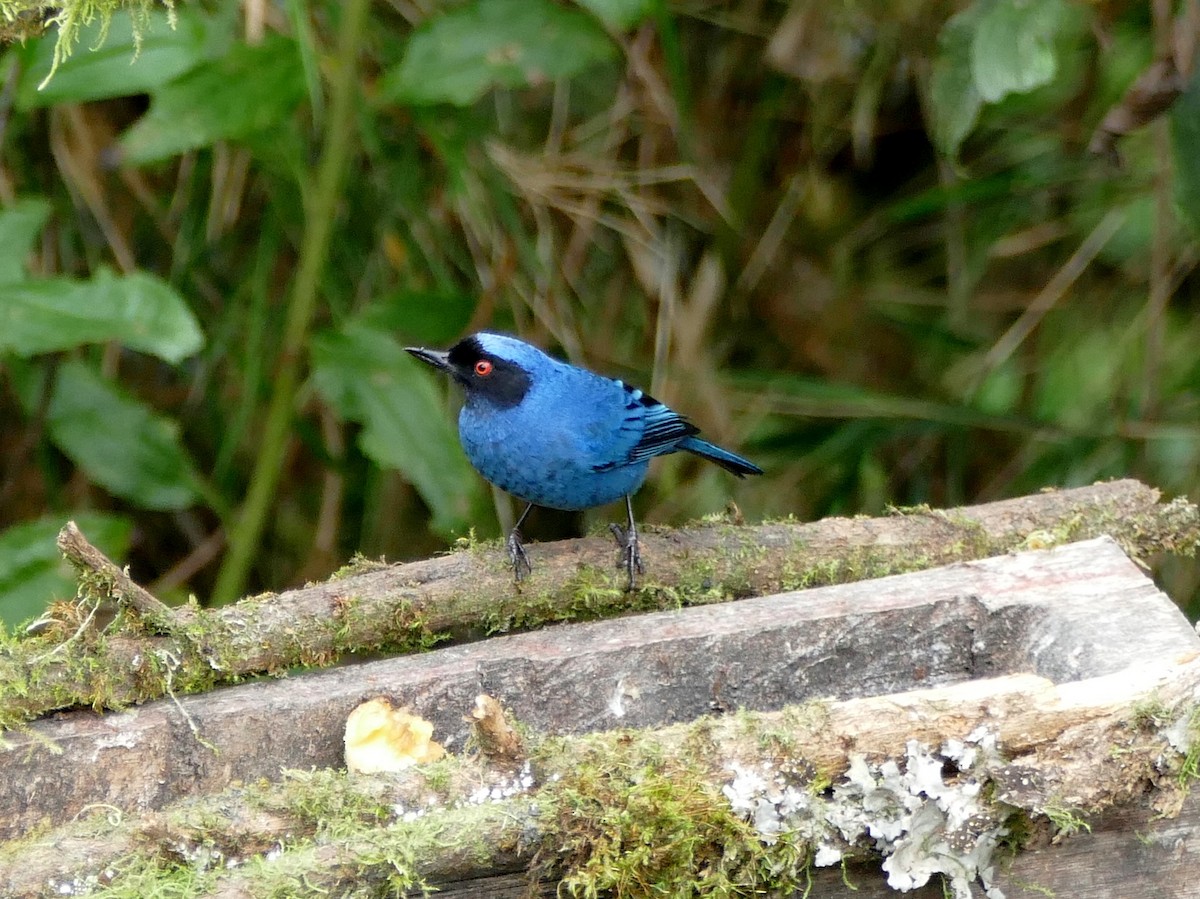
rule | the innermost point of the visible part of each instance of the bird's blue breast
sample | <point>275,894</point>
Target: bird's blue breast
<point>565,445</point>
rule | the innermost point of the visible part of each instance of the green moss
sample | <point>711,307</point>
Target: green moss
<point>1067,821</point>
<point>819,574</point>
<point>1018,830</point>
<point>1151,713</point>
<point>780,737</point>
<point>330,800</point>
<point>72,663</point>
<point>1174,527</point>
<point>632,825</point>
<point>860,564</point>
<point>350,816</point>
<point>210,639</point>
<point>699,581</point>
<point>745,567</point>
<point>901,511</point>
<point>359,564</point>
<point>591,593</point>
<point>142,877</point>
<point>734,572</point>
<point>1189,768</point>
<point>383,867</point>
<point>467,542</point>
<point>407,631</point>
<point>439,775</point>
<point>25,19</point>
<point>1180,726</point>
<point>350,853</point>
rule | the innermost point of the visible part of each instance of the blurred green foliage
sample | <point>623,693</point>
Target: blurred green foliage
<point>865,243</point>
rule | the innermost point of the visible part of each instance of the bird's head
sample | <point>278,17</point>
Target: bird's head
<point>491,367</point>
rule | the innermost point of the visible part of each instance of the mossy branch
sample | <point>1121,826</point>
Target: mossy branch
<point>470,594</point>
<point>24,19</point>
<point>744,802</point>
<point>98,574</point>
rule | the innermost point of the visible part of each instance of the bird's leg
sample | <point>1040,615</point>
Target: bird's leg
<point>627,542</point>
<point>516,549</point>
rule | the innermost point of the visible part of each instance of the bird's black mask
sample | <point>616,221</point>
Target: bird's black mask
<point>483,375</point>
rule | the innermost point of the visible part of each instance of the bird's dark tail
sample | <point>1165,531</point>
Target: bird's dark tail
<point>727,460</point>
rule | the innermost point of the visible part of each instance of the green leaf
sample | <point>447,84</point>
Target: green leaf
<point>251,90</point>
<point>114,63</point>
<point>1185,139</point>
<point>33,572</point>
<point>119,442</point>
<point>366,375</point>
<point>1013,49</point>
<point>428,317</point>
<point>620,15</point>
<point>458,57</point>
<point>20,224</point>
<point>954,101</point>
<point>138,310</point>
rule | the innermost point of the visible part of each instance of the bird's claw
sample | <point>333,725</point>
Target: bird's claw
<point>631,557</point>
<point>517,556</point>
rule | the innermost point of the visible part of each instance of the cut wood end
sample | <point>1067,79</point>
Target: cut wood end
<point>69,538</point>
<point>496,738</point>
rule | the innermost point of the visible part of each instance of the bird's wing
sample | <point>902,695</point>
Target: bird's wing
<point>653,428</point>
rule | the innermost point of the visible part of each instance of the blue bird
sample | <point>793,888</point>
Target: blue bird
<point>559,436</point>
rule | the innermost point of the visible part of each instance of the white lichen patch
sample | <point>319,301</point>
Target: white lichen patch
<point>1180,733</point>
<point>199,857</point>
<point>766,798</point>
<point>925,816</point>
<point>76,886</point>
<point>496,789</point>
<point>504,788</point>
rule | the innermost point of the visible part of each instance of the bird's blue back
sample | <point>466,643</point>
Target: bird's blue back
<point>564,437</point>
<point>567,443</point>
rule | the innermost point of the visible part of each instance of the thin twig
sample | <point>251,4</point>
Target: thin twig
<point>85,557</point>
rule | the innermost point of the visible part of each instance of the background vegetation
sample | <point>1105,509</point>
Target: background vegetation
<point>880,246</point>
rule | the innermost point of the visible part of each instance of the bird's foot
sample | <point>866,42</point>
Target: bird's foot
<point>517,556</point>
<point>631,557</point>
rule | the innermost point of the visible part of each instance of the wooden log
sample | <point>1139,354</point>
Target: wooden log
<point>470,593</point>
<point>1060,752</point>
<point>1065,615</point>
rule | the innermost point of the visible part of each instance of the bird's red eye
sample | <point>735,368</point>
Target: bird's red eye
<point>483,368</point>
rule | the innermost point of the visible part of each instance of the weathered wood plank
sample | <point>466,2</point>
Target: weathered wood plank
<point>1088,744</point>
<point>1064,614</point>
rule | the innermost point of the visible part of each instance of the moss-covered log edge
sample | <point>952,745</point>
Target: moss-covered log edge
<point>469,593</point>
<point>720,806</point>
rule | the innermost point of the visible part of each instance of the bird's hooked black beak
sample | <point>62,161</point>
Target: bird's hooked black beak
<point>435,358</point>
